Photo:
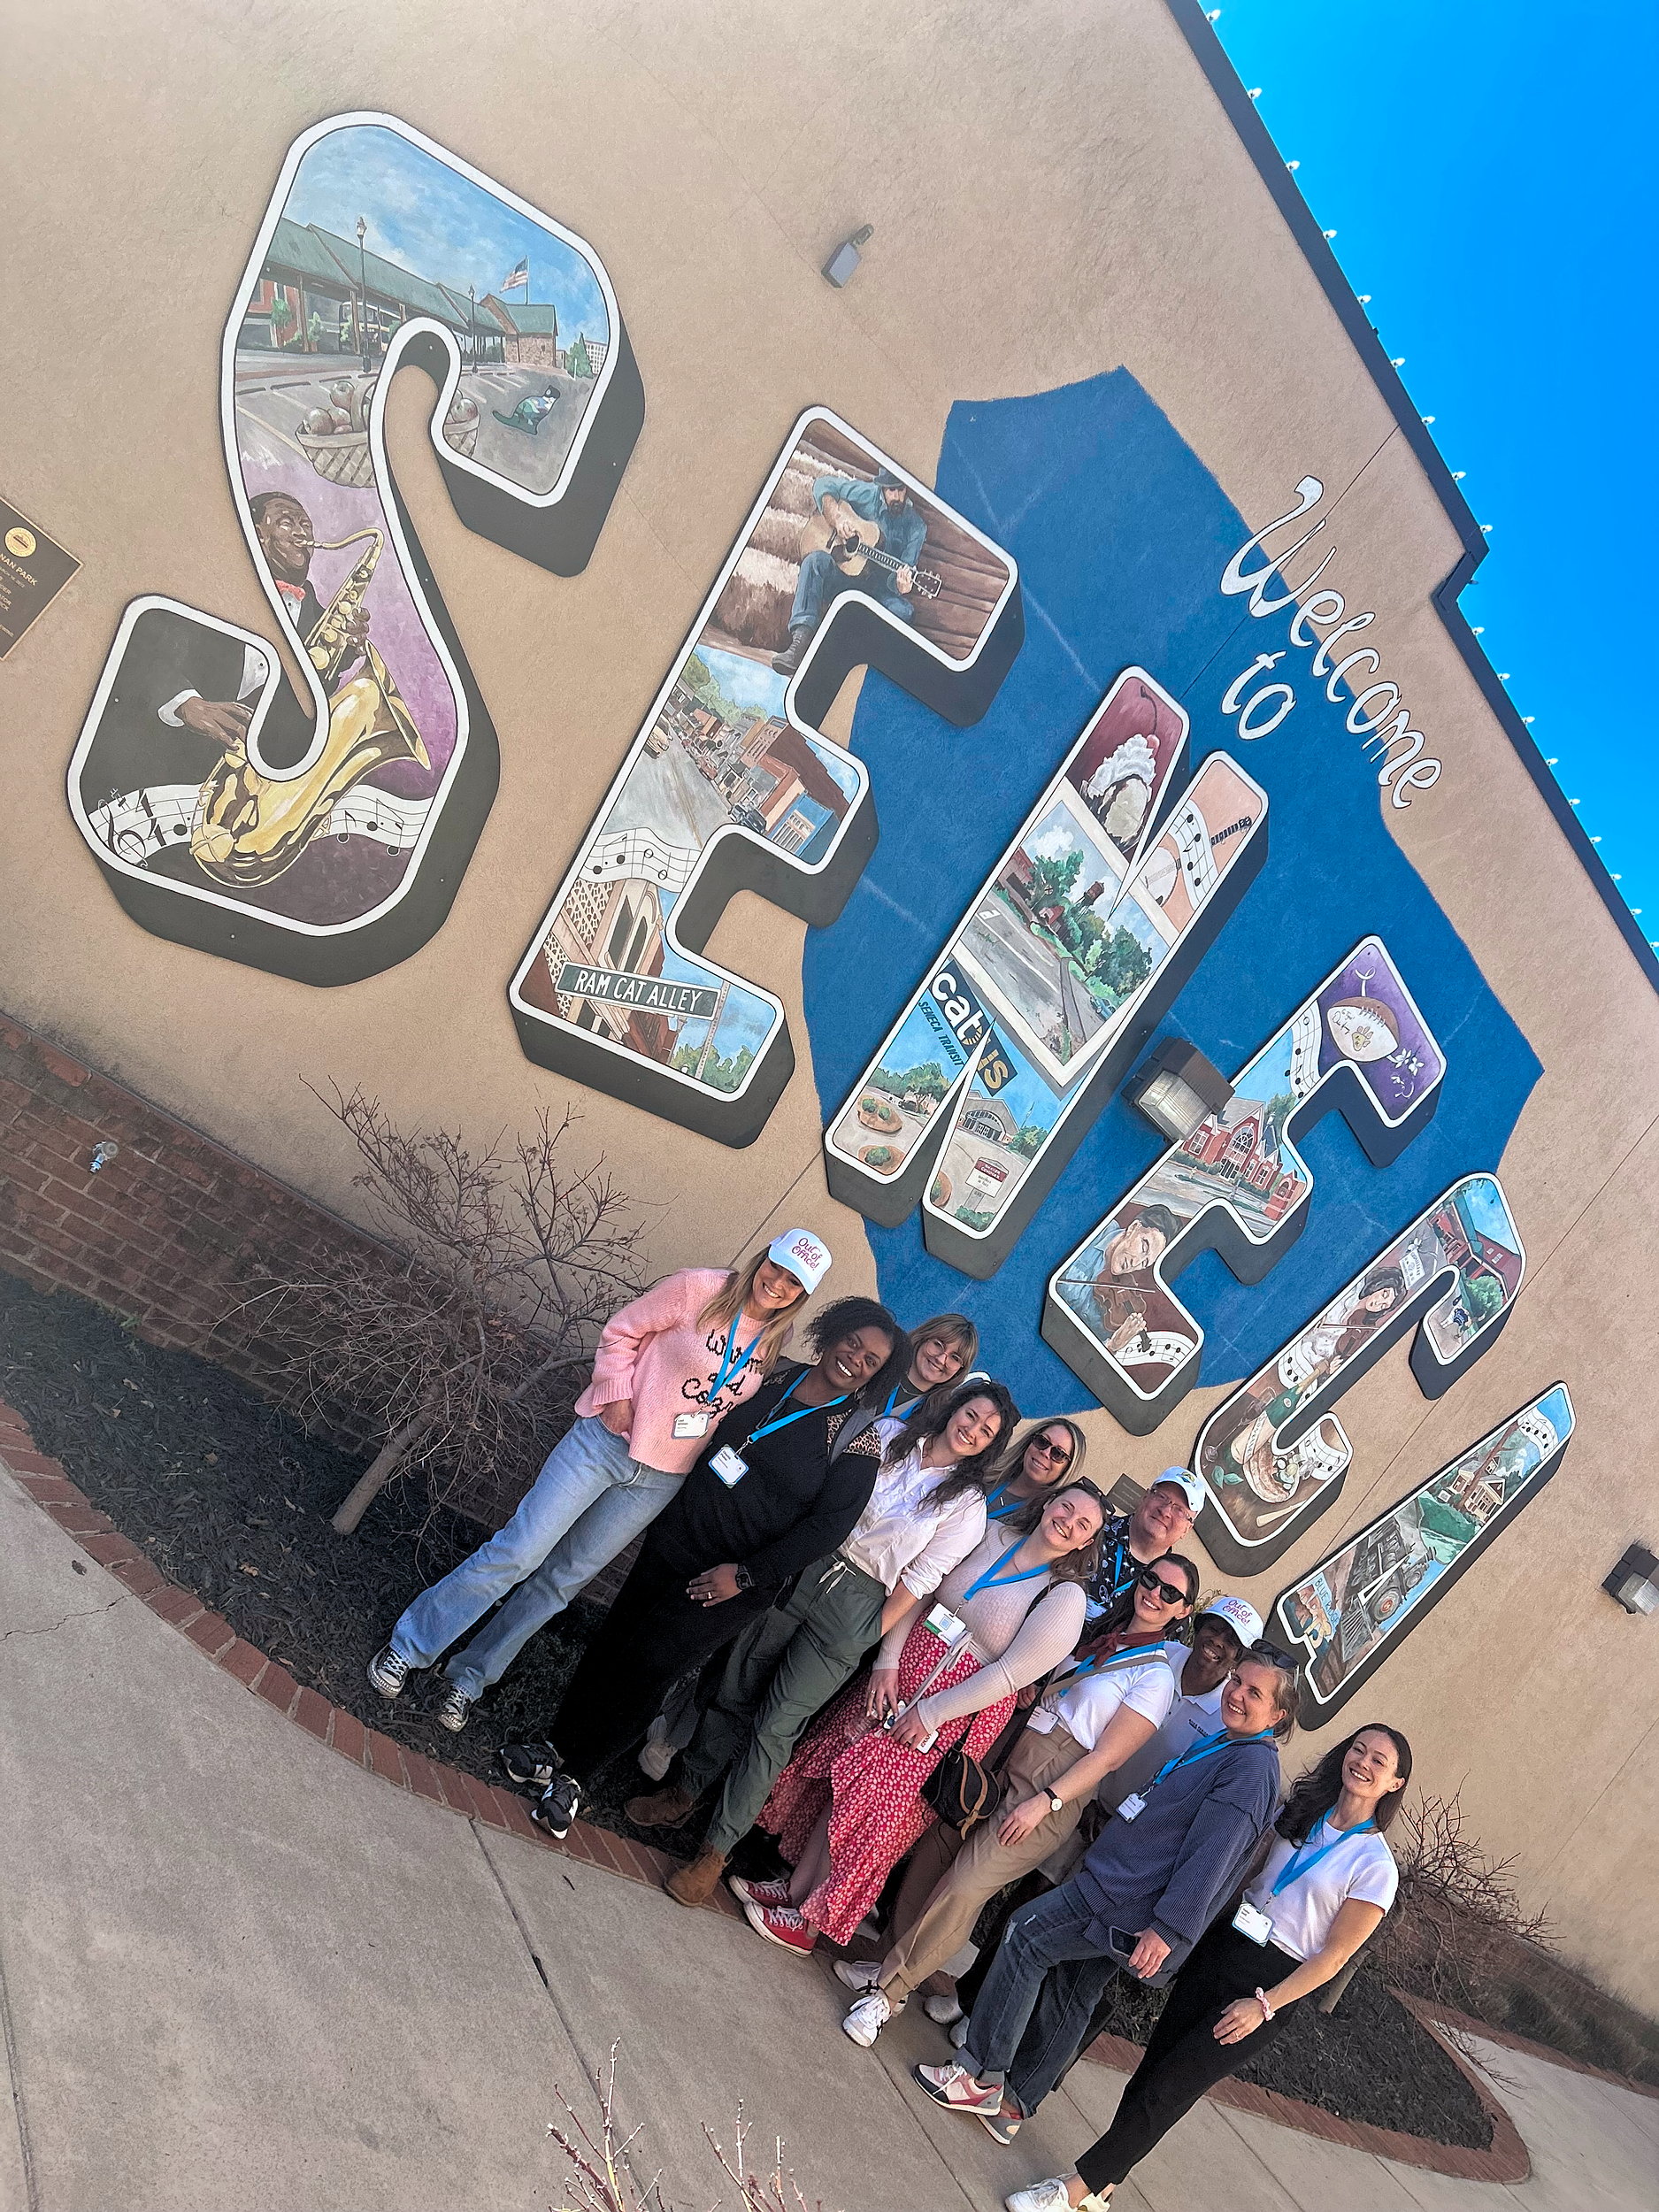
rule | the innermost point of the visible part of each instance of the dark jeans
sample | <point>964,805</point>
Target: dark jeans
<point>1183,2058</point>
<point>1043,1984</point>
<point>652,1635</point>
<point>821,583</point>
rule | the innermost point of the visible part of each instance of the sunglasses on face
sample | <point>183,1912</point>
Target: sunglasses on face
<point>1049,1449</point>
<point>1171,1593</point>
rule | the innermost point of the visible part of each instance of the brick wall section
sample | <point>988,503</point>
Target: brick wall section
<point>174,1233</point>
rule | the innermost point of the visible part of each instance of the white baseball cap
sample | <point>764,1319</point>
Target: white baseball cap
<point>1241,1617</point>
<point>1189,1485</point>
<point>806,1256</point>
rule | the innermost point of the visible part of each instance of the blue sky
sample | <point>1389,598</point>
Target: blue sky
<point>1481,167</point>
<point>428,219</point>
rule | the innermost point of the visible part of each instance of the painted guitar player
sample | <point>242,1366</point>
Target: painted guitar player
<point>863,537</point>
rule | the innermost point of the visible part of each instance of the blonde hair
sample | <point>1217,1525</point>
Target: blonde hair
<point>723,1309</point>
<point>1013,1461</point>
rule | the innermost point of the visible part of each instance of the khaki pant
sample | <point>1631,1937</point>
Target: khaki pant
<point>982,1866</point>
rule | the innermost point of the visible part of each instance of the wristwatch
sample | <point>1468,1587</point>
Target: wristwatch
<point>1056,1804</point>
<point>742,1578</point>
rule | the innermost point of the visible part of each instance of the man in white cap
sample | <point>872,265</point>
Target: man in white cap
<point>1130,1542</point>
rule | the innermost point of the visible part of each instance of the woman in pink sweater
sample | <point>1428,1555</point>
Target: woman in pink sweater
<point>669,1366</point>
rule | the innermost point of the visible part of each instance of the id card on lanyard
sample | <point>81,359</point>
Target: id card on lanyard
<point>732,1364</point>
<point>1206,1748</point>
<point>731,1466</point>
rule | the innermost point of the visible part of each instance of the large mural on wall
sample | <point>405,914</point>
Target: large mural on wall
<point>845,560</point>
<point>321,831</point>
<point>1238,1185</point>
<point>1051,983</point>
<point>1124,540</point>
<point>1271,1457</point>
<point>1351,1611</point>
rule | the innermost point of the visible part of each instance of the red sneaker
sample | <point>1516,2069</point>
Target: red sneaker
<point>758,1892</point>
<point>779,1924</point>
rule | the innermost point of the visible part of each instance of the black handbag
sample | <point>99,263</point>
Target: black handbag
<point>960,1791</point>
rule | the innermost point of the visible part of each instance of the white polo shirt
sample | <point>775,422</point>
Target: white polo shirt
<point>1189,1718</point>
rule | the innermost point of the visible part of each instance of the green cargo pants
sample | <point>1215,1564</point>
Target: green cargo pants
<point>782,1670</point>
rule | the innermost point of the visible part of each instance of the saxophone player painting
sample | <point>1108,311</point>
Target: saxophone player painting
<point>306,801</point>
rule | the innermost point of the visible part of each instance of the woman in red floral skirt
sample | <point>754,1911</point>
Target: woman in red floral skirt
<point>848,1805</point>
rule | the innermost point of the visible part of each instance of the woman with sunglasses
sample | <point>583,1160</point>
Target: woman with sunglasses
<point>1048,1454</point>
<point>1098,1712</point>
<point>926,1514</point>
<point>1327,1881</point>
<point>849,1804</point>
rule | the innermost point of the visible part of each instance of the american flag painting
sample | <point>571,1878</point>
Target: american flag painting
<point>519,274</point>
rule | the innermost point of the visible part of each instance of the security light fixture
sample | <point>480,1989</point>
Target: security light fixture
<point>1177,1088</point>
<point>846,257</point>
<point>1634,1582</point>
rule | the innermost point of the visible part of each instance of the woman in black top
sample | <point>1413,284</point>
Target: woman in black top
<point>781,1483</point>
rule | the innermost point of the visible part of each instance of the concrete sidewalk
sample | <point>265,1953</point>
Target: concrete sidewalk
<point>241,1975</point>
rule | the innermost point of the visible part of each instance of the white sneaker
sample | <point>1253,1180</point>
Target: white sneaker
<point>657,1754</point>
<point>1052,2196</point>
<point>858,1973</point>
<point>867,2019</point>
<point>944,2009</point>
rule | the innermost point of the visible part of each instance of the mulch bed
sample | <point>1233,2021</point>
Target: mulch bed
<point>231,1499</point>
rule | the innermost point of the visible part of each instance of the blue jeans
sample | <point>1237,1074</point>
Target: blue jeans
<point>589,1501</point>
<point>820,583</point>
<point>1051,1971</point>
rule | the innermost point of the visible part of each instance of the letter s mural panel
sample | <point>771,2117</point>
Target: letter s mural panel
<point>1239,1185</point>
<point>323,836</point>
<point>845,560</point>
<point>1272,1457</point>
<point>1351,1611</point>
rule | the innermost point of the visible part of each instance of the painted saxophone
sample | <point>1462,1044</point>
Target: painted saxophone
<point>250,827</point>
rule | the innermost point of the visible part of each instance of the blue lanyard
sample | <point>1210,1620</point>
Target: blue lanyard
<point>728,1373</point>
<point>992,1500</point>
<point>1136,1655</point>
<point>1297,1864</point>
<point>755,1435</point>
<point>894,1395</point>
<point>993,1579</point>
<point>1206,1748</point>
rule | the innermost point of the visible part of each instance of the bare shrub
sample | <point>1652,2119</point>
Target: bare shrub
<point>604,2178</point>
<point>1456,1905</point>
<point>460,1350</point>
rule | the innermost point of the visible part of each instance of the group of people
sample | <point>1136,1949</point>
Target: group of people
<point>1050,1714</point>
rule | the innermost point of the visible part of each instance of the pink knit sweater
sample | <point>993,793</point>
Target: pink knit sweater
<point>654,1352</point>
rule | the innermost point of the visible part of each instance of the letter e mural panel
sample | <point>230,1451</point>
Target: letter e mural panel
<point>845,560</point>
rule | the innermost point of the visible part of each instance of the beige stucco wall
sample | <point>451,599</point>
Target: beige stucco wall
<point>1065,172</point>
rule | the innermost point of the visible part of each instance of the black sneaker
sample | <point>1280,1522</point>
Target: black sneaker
<point>530,1766</point>
<point>557,1806</point>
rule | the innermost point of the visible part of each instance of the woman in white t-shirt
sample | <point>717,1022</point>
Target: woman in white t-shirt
<point>1327,1881</point>
<point>1097,1711</point>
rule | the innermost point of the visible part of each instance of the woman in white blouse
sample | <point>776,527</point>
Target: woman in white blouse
<point>925,1513</point>
<point>1327,1881</point>
<point>1098,1711</point>
<point>849,1804</point>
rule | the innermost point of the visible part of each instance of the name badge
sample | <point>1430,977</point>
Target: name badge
<point>1133,1805</point>
<point>945,1625</point>
<point>1251,1921</point>
<point>730,1467</point>
<point>691,1425</point>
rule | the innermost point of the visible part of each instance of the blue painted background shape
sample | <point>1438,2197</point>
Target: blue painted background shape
<point>1121,536</point>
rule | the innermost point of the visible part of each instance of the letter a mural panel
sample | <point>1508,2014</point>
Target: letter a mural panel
<point>1351,1612</point>
<point>1238,1185</point>
<point>845,561</point>
<point>322,834</point>
<point>1062,965</point>
<point>1272,1457</point>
